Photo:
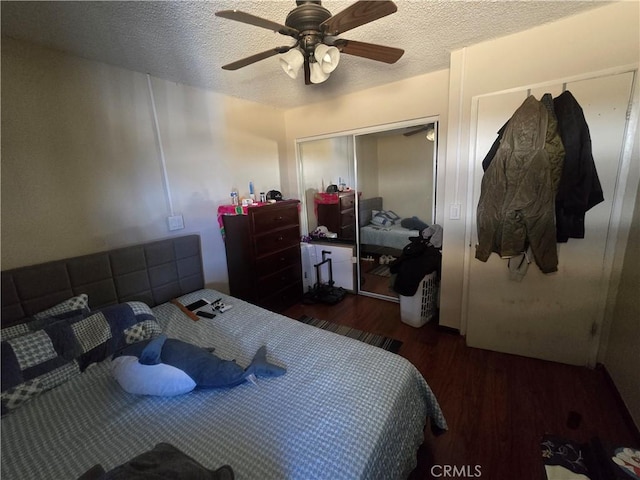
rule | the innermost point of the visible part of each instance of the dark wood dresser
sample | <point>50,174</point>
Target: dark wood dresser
<point>340,216</point>
<point>263,255</point>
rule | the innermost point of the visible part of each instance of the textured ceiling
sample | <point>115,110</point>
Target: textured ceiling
<point>186,43</point>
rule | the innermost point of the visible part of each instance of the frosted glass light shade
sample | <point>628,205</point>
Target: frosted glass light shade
<point>327,57</point>
<point>317,75</point>
<point>291,62</point>
<point>431,134</point>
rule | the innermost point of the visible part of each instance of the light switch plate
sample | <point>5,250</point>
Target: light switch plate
<point>176,222</point>
<point>454,211</point>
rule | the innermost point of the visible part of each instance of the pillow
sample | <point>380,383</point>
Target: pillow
<point>384,218</point>
<point>36,362</point>
<point>81,302</point>
<point>105,332</point>
<point>160,379</point>
<point>413,223</point>
<point>69,308</point>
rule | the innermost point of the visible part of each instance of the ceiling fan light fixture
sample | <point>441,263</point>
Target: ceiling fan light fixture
<point>317,74</point>
<point>431,134</point>
<point>311,25</point>
<point>291,62</point>
<point>327,57</point>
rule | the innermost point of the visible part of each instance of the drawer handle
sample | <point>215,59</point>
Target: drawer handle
<point>280,238</point>
<point>278,219</point>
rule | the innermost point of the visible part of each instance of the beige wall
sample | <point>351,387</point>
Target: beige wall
<point>368,178</point>
<point>407,195</point>
<point>81,170</point>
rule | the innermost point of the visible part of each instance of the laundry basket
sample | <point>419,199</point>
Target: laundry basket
<point>421,307</point>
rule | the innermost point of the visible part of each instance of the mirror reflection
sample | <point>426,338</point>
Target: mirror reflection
<point>326,165</point>
<point>390,199</point>
<point>396,183</point>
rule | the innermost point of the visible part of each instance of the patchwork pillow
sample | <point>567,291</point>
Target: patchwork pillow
<point>40,360</point>
<point>80,302</point>
<point>36,362</point>
<point>105,332</point>
<point>384,218</point>
<point>32,324</point>
<point>73,306</point>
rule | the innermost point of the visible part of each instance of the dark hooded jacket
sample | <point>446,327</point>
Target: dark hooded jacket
<point>580,187</point>
<point>517,199</point>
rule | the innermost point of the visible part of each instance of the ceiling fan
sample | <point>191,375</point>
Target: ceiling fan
<point>315,30</point>
<point>430,129</point>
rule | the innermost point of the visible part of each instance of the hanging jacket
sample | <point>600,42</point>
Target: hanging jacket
<point>517,199</point>
<point>579,188</point>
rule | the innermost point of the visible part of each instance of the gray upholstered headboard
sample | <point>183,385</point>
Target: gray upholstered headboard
<point>152,273</point>
<point>365,207</point>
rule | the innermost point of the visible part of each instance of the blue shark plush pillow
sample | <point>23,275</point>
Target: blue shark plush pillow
<point>167,366</point>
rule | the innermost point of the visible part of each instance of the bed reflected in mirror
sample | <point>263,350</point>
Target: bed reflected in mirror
<point>373,190</point>
<point>396,184</point>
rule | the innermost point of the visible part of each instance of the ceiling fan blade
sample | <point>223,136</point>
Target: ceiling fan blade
<point>243,17</point>
<point>361,12</point>
<point>369,50</point>
<point>417,130</point>
<point>255,58</point>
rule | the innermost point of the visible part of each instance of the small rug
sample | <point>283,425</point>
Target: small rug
<point>381,270</point>
<point>376,340</point>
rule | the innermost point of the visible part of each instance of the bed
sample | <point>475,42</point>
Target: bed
<point>390,236</point>
<point>344,409</point>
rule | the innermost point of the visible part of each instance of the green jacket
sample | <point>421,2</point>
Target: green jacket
<point>517,198</point>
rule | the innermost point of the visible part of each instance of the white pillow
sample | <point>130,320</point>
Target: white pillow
<point>160,379</point>
<point>384,219</point>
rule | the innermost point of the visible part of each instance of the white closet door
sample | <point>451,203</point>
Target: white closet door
<point>553,316</point>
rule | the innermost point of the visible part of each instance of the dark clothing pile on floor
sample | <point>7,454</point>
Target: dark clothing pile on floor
<point>419,258</point>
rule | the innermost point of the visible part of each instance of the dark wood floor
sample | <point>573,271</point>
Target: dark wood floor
<point>497,405</point>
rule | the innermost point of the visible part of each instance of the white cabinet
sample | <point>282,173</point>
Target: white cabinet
<point>342,264</point>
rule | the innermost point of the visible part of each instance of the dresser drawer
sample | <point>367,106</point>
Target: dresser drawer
<point>275,282</point>
<point>277,240</point>
<point>348,232</point>
<point>348,218</point>
<point>272,217</point>
<point>347,201</point>
<point>278,261</point>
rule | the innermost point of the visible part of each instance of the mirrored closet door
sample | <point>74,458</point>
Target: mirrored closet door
<point>396,178</point>
<point>371,189</point>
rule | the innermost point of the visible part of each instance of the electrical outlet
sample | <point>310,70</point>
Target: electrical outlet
<point>176,222</point>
